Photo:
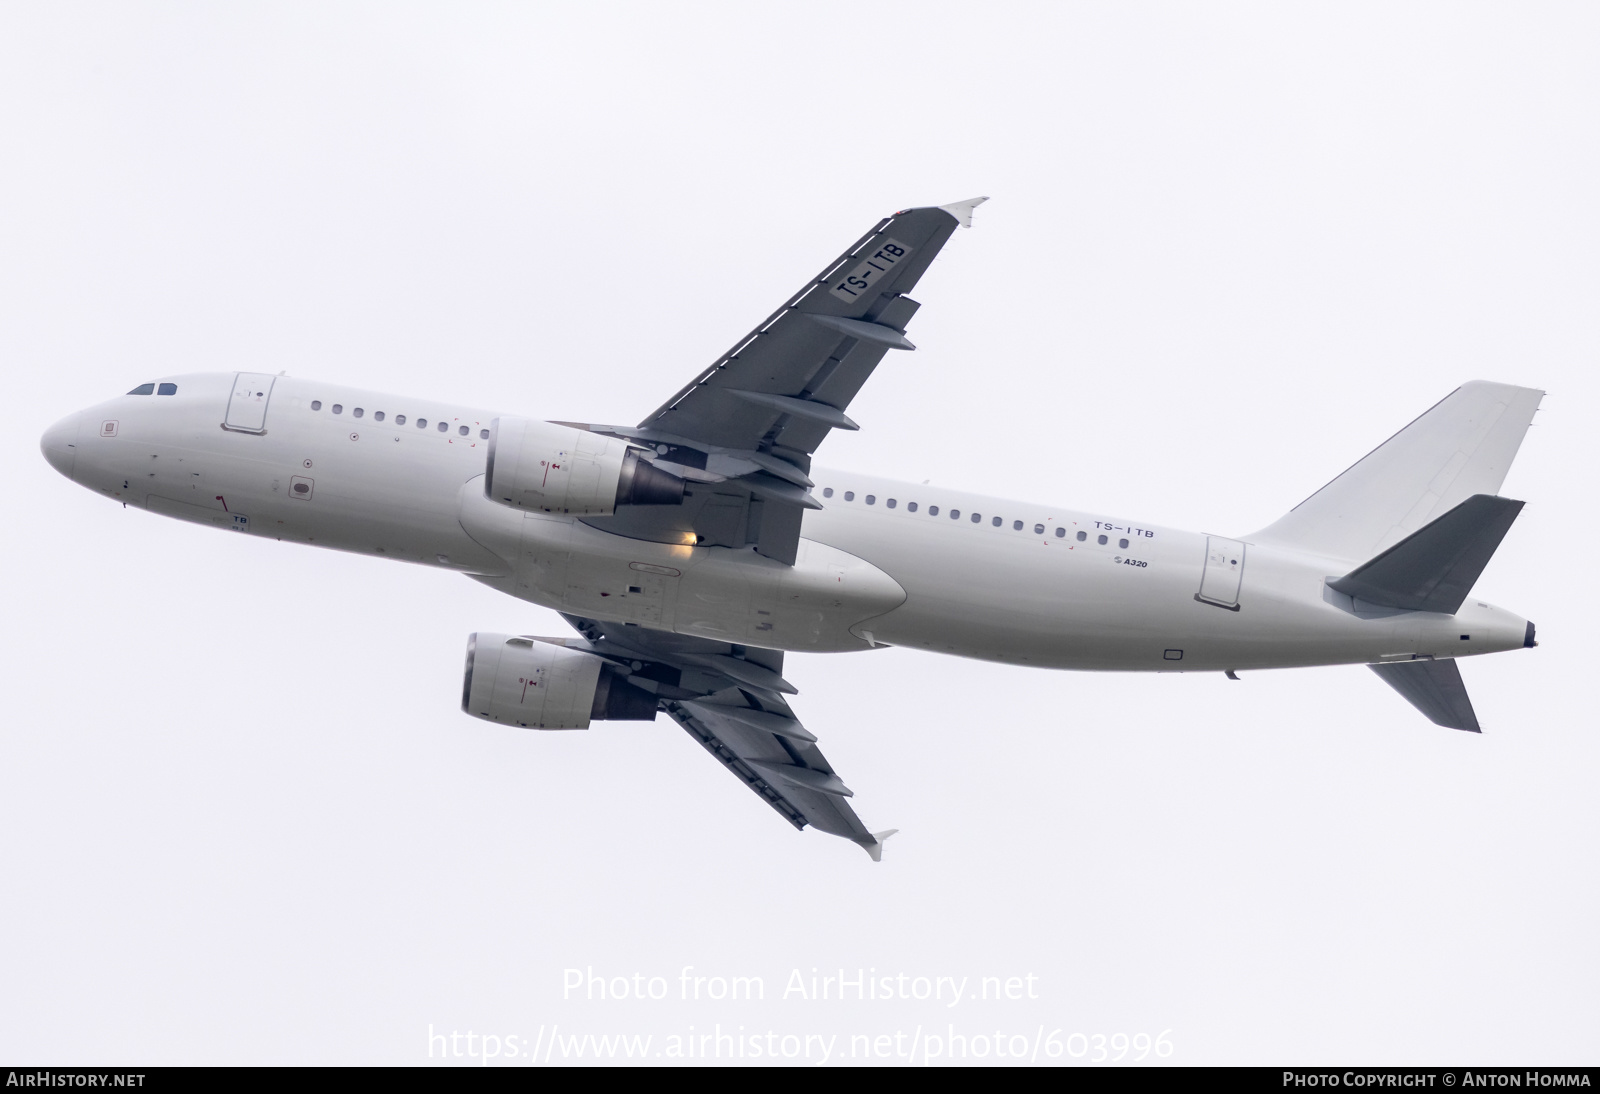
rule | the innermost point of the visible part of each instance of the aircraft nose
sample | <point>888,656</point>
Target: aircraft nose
<point>59,444</point>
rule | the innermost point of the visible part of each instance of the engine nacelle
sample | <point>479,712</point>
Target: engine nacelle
<point>558,469</point>
<point>538,683</point>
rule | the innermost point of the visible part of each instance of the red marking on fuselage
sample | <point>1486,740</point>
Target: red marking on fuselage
<point>224,504</point>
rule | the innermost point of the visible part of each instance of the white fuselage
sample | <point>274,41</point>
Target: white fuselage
<point>1024,589</point>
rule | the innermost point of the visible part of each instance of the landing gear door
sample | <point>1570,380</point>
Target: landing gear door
<point>247,406</point>
<point>1219,584</point>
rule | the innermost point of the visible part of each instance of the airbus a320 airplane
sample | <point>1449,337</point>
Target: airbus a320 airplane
<point>690,551</point>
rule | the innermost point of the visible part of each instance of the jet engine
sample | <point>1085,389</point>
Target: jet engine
<point>558,469</point>
<point>539,683</point>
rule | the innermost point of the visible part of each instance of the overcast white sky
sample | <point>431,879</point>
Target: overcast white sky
<point>1231,248</point>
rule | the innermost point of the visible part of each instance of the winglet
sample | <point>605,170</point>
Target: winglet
<point>875,848</point>
<point>962,210</point>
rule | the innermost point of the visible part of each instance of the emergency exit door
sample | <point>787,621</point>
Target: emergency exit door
<point>247,406</point>
<point>1219,583</point>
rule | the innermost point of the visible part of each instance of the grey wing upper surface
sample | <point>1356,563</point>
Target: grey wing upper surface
<point>744,430</point>
<point>742,434</point>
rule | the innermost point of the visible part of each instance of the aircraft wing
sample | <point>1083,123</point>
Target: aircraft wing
<point>744,430</point>
<point>730,698</point>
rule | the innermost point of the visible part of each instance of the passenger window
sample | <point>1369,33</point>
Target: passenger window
<point>955,514</point>
<point>827,491</point>
<point>1122,543</point>
<point>377,415</point>
<point>1016,526</point>
<point>463,431</point>
<point>933,510</point>
<point>399,419</point>
<point>338,408</point>
<point>483,434</point>
<point>167,389</point>
<point>977,518</point>
<point>911,507</point>
<point>316,404</point>
<point>422,423</point>
<point>849,495</point>
<point>143,389</point>
<point>890,503</point>
<point>1038,529</point>
<point>1081,535</point>
<point>357,412</point>
<point>444,427</point>
<point>872,499</point>
<point>996,522</point>
<point>1061,533</point>
<point>1101,540</point>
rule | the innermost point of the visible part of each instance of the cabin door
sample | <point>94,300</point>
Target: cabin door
<point>247,406</point>
<point>1219,584</point>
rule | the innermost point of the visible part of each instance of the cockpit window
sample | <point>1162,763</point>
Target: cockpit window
<point>167,389</point>
<point>143,389</point>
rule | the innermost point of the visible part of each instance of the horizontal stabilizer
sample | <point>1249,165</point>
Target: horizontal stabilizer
<point>1435,688</point>
<point>1434,568</point>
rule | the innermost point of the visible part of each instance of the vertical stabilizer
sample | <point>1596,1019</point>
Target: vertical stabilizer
<point>1463,446</point>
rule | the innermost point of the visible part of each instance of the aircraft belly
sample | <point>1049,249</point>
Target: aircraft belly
<point>719,593</point>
